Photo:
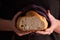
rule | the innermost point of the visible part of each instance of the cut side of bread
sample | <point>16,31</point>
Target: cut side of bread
<point>32,21</point>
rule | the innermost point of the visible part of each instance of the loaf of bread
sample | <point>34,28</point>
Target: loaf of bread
<point>32,21</point>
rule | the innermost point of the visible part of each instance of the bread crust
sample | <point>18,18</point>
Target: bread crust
<point>31,14</point>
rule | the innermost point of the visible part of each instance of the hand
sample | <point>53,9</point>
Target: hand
<point>18,32</point>
<point>52,27</point>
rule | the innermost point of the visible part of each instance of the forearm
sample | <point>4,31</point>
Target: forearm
<point>57,30</point>
<point>5,25</point>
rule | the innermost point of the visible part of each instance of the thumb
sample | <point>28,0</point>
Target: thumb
<point>50,16</point>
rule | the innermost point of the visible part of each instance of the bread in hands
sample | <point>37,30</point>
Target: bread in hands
<point>32,21</point>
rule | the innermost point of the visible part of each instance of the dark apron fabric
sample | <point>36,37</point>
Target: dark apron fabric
<point>10,35</point>
<point>33,36</point>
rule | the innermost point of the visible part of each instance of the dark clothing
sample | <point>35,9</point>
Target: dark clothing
<point>10,35</point>
<point>34,36</point>
<point>10,7</point>
<point>54,7</point>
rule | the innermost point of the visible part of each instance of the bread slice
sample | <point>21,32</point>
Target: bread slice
<point>32,21</point>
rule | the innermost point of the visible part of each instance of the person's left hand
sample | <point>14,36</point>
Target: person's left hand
<point>52,27</point>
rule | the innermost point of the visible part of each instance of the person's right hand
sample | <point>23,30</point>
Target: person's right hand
<point>19,33</point>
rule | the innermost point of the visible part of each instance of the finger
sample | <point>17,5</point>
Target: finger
<point>22,34</point>
<point>47,31</point>
<point>43,32</point>
<point>49,12</point>
<point>51,16</point>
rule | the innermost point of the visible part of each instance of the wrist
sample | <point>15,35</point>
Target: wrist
<point>58,23</point>
<point>57,29</point>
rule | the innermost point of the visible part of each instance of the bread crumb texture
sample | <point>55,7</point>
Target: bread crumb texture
<point>32,22</point>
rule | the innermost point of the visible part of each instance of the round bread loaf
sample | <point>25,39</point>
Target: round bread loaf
<point>32,21</point>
